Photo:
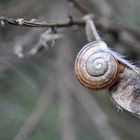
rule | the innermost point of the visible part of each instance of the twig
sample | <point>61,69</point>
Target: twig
<point>107,25</point>
<point>79,6</point>
<point>93,110</point>
<point>40,24</point>
<point>66,113</point>
<point>33,120</point>
<point>97,116</point>
<point>103,24</point>
<point>67,123</point>
<point>103,6</point>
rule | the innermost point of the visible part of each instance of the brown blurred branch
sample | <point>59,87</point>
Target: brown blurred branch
<point>107,25</point>
<point>42,24</point>
<point>83,9</point>
<point>97,116</point>
<point>102,5</point>
<point>67,128</point>
<point>103,24</point>
<point>36,115</point>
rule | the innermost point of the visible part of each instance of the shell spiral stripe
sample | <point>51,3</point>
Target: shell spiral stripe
<point>95,68</point>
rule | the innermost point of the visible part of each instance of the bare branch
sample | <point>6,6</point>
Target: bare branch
<point>107,25</point>
<point>79,6</point>
<point>97,116</point>
<point>34,118</point>
<point>66,113</point>
<point>41,24</point>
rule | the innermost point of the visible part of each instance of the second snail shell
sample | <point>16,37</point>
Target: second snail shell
<point>95,68</point>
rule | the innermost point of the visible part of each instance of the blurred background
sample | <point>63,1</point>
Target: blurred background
<point>40,98</point>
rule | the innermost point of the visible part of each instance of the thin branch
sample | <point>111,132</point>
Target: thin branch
<point>82,8</point>
<point>67,123</point>
<point>41,24</point>
<point>66,113</point>
<point>108,25</point>
<point>103,24</point>
<point>34,118</point>
<point>103,7</point>
<point>97,116</point>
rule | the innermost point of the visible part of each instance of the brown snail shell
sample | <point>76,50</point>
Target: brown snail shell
<point>95,68</point>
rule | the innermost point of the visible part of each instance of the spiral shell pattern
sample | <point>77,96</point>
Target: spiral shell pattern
<point>95,68</point>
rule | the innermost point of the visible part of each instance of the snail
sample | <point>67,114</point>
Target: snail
<point>97,66</point>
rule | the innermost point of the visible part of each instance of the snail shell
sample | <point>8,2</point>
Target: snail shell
<point>95,68</point>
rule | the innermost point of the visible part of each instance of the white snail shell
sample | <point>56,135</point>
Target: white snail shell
<point>95,68</point>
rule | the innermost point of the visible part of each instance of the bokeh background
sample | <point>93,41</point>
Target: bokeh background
<point>40,98</point>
